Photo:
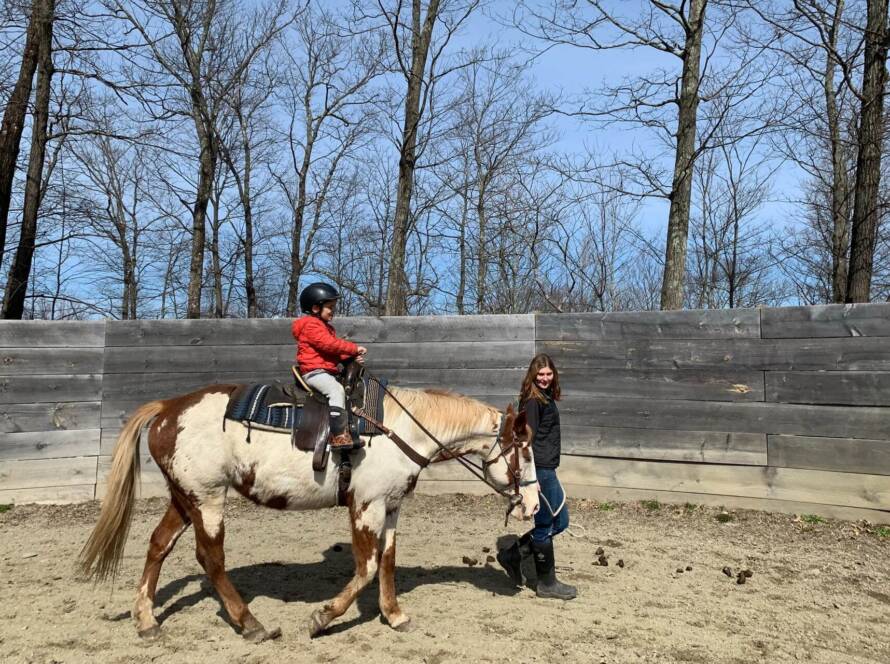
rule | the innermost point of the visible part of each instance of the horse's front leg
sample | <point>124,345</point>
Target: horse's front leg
<point>367,522</point>
<point>389,604</point>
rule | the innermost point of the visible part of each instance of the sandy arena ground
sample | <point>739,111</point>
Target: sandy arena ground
<point>820,592</point>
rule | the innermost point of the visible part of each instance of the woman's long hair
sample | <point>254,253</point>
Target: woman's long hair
<point>530,390</point>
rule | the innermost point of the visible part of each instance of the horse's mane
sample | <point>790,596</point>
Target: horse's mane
<point>445,413</point>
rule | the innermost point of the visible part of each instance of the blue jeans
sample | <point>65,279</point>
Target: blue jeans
<point>552,496</point>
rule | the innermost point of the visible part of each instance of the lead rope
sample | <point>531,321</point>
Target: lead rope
<point>477,471</point>
<point>553,514</point>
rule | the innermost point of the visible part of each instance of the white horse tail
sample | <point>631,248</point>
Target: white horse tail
<point>100,557</point>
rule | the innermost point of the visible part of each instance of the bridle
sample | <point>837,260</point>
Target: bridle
<point>509,452</point>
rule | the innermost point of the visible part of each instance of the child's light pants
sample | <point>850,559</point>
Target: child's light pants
<point>328,385</point>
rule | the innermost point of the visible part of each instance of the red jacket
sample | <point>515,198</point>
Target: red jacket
<point>318,346</point>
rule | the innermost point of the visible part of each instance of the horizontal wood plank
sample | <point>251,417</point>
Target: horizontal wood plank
<point>699,384</point>
<point>38,473</point>
<point>77,493</point>
<point>452,355</point>
<point>666,445</point>
<point>49,444</point>
<point>848,455</point>
<point>832,320</point>
<point>805,486</point>
<point>43,361</point>
<point>683,324</point>
<point>149,471</point>
<point>51,333</point>
<point>144,489</point>
<point>32,389</point>
<point>278,331</point>
<point>272,361</point>
<point>859,388</point>
<point>806,420</point>
<point>22,417</point>
<point>858,354</point>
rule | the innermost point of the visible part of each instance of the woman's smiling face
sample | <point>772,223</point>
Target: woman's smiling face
<point>544,377</point>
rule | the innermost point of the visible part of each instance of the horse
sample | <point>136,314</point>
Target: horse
<point>201,459</point>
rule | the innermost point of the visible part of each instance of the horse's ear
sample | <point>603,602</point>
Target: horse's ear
<point>510,412</point>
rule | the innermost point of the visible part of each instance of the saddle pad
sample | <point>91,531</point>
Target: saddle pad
<point>370,402</point>
<point>269,407</point>
<point>265,405</point>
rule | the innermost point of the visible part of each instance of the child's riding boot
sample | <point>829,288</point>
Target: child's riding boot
<point>545,565</point>
<point>511,557</point>
<point>341,437</point>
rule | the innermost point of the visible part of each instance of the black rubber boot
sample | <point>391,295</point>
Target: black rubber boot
<point>548,585</point>
<point>511,557</point>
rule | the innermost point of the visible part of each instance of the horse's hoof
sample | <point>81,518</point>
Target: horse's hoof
<point>260,634</point>
<point>405,626</point>
<point>317,623</point>
<point>151,633</point>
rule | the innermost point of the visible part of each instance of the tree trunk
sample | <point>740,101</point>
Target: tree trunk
<point>206,171</point>
<point>296,249</point>
<point>215,262</point>
<point>463,251</point>
<point>14,119</point>
<point>866,212</point>
<point>247,206</point>
<point>20,270</point>
<point>840,230</point>
<point>482,267</point>
<point>396,294</point>
<point>681,188</point>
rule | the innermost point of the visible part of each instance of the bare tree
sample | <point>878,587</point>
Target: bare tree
<point>326,96</point>
<point>866,208</point>
<point>496,124</point>
<point>116,175</point>
<point>731,257</point>
<point>204,49</point>
<point>14,115</point>
<point>818,44</point>
<point>20,270</point>
<point>418,54</point>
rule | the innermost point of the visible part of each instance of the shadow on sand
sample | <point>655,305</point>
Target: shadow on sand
<point>317,582</point>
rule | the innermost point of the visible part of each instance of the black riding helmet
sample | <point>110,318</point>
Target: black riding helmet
<point>316,294</point>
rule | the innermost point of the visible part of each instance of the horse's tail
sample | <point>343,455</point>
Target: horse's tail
<point>100,557</point>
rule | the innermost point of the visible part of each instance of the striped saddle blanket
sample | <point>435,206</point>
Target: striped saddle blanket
<point>270,406</point>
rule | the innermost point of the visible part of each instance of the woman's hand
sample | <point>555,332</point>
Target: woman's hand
<point>360,358</point>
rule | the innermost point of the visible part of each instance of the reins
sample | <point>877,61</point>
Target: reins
<point>477,470</point>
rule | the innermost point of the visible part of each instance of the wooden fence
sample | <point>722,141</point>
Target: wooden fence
<point>769,408</point>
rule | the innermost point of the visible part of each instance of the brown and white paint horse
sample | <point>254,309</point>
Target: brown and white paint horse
<point>201,461</point>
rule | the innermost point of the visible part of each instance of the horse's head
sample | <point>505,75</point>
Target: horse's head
<point>510,465</point>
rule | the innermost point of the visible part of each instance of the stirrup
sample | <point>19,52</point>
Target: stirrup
<point>345,442</point>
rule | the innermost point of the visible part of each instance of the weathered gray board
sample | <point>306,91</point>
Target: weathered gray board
<point>50,394</point>
<point>794,391</point>
<point>772,407</point>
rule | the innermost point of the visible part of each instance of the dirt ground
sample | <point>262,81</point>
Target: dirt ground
<point>820,591</point>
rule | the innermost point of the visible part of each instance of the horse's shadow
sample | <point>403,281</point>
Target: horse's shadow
<point>320,581</point>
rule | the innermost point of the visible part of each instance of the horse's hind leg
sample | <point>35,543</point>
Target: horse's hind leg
<point>209,538</point>
<point>367,525</point>
<point>172,525</point>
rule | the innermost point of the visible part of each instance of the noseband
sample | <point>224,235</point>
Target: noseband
<point>510,454</point>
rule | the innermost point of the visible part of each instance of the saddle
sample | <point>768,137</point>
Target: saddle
<point>305,414</point>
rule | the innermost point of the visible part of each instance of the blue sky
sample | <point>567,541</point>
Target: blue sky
<point>572,70</point>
